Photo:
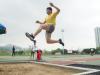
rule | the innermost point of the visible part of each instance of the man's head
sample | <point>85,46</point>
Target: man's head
<point>49,10</point>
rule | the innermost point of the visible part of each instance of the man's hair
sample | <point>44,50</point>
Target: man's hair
<point>49,8</point>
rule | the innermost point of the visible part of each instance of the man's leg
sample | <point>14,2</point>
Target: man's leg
<point>49,31</point>
<point>42,26</point>
<point>14,53</point>
<point>37,31</point>
<point>33,35</point>
<point>31,53</point>
<point>49,40</point>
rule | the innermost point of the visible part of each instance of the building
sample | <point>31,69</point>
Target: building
<point>97,37</point>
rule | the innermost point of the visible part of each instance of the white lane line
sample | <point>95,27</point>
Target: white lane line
<point>87,70</point>
<point>80,61</point>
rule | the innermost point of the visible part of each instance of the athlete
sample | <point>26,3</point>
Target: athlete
<point>48,25</point>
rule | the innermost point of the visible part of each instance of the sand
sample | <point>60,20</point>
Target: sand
<point>34,69</point>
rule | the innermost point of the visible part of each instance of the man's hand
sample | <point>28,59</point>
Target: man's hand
<point>37,21</point>
<point>51,4</point>
<point>40,22</point>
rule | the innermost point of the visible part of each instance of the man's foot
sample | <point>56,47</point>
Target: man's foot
<point>60,41</point>
<point>30,36</point>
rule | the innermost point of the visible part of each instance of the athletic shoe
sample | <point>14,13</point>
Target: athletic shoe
<point>60,41</point>
<point>30,36</point>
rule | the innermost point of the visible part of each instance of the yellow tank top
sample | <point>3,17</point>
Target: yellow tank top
<point>51,19</point>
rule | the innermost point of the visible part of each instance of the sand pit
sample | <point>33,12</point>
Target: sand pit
<point>34,69</point>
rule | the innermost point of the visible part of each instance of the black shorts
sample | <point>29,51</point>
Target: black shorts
<point>51,28</point>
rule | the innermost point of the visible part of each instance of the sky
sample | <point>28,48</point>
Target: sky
<point>77,18</point>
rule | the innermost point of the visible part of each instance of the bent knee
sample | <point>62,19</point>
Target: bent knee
<point>48,41</point>
<point>42,26</point>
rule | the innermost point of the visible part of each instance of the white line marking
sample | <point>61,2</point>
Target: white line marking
<point>80,61</point>
<point>87,70</point>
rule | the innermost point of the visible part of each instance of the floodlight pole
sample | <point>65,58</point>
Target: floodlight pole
<point>62,31</point>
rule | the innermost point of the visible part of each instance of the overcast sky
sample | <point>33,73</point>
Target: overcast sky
<point>78,18</point>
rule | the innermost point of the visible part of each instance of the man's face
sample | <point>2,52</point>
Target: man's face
<point>49,11</point>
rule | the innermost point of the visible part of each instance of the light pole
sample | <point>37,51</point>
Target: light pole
<point>62,31</point>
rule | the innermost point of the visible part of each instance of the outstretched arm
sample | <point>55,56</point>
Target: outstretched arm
<point>52,5</point>
<point>40,22</point>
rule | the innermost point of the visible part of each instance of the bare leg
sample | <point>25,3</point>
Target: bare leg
<point>37,32</point>
<point>42,26</point>
<point>49,40</point>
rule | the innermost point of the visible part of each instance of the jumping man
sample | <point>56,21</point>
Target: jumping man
<point>48,25</point>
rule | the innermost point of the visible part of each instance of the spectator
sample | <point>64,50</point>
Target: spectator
<point>34,49</point>
<point>13,50</point>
